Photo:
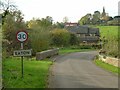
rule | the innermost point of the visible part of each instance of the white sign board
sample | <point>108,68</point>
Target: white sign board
<point>22,36</point>
<point>22,53</point>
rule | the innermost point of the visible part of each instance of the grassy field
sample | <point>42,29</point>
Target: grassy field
<point>35,73</point>
<point>107,67</point>
<point>108,31</point>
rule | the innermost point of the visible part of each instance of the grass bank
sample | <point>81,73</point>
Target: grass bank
<point>107,67</point>
<point>71,50</point>
<point>35,73</point>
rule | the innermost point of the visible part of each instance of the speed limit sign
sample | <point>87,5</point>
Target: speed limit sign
<point>22,36</point>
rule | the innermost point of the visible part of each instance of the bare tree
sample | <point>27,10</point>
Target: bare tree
<point>6,7</point>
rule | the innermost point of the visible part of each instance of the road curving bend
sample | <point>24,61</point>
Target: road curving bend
<point>77,70</point>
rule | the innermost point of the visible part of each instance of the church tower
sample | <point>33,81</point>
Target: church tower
<point>103,13</point>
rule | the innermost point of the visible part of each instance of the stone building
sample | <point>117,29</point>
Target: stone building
<point>104,15</point>
<point>85,33</point>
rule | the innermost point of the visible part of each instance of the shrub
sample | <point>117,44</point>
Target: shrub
<point>110,37</point>
<point>9,30</point>
<point>73,39</point>
<point>111,47</point>
<point>40,39</point>
<point>60,37</point>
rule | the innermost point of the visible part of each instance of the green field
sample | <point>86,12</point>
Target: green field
<point>109,31</point>
<point>35,73</point>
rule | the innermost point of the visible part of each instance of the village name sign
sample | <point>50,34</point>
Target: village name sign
<point>22,53</point>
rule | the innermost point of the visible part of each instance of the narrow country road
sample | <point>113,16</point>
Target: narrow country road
<point>77,70</point>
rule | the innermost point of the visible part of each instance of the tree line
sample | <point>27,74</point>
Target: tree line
<point>99,19</point>
<point>43,34</point>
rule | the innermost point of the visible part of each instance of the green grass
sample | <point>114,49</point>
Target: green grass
<point>35,73</point>
<point>64,51</point>
<point>111,39</point>
<point>107,67</point>
<point>71,50</point>
<point>108,31</point>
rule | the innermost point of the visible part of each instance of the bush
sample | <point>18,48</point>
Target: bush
<point>40,39</point>
<point>9,30</point>
<point>111,47</point>
<point>73,39</point>
<point>60,37</point>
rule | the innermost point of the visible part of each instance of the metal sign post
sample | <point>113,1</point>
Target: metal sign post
<point>22,36</point>
<point>22,61</point>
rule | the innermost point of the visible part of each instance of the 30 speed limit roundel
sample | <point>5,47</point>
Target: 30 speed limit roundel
<point>22,36</point>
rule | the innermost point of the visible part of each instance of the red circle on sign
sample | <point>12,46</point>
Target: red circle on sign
<point>21,33</point>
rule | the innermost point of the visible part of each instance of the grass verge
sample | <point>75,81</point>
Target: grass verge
<point>107,67</point>
<point>71,50</point>
<point>35,73</point>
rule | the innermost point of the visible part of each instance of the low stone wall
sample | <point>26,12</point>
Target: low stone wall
<point>47,53</point>
<point>110,60</point>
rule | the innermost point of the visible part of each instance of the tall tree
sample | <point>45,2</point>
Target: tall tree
<point>6,7</point>
<point>85,19</point>
<point>44,22</point>
<point>96,17</point>
<point>65,19</point>
<point>59,25</point>
<point>49,19</point>
<point>12,23</point>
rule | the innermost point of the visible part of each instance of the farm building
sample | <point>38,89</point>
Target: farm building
<point>85,33</point>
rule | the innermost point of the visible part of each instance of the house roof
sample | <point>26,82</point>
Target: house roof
<point>78,29</point>
<point>94,30</point>
<point>83,30</point>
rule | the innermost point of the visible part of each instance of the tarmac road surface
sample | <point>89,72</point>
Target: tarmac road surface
<point>77,70</point>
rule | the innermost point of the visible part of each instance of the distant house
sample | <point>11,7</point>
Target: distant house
<point>85,33</point>
<point>71,24</point>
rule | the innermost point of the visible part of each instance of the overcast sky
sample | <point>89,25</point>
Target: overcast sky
<point>57,9</point>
